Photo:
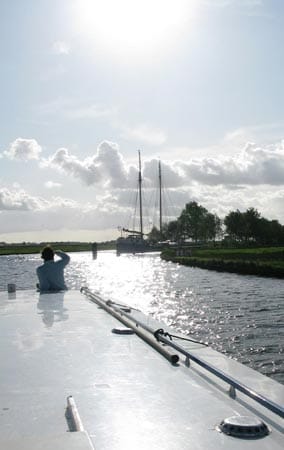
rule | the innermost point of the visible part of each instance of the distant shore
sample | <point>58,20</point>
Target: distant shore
<point>266,262</point>
<point>30,248</point>
<point>262,261</point>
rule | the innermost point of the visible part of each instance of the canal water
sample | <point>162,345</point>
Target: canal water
<point>241,316</point>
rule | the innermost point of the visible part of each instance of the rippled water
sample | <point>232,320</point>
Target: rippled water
<point>242,316</point>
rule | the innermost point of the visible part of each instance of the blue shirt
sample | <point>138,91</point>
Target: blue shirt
<point>51,273</point>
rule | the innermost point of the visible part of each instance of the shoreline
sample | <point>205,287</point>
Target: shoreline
<point>263,262</point>
<point>27,249</point>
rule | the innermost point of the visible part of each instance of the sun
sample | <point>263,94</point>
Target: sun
<point>132,27</point>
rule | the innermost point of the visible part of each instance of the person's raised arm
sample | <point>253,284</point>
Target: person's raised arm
<point>64,257</point>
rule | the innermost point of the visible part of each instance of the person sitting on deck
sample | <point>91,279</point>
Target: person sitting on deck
<point>51,273</point>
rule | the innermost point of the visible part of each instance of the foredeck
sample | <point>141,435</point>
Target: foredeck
<point>127,394</point>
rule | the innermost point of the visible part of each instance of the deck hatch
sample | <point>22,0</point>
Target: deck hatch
<point>244,427</point>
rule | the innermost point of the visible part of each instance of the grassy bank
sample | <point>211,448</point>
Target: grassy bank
<point>268,262</point>
<point>22,249</point>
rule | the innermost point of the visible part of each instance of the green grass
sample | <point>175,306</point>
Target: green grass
<point>245,253</point>
<point>248,261</point>
<point>22,249</point>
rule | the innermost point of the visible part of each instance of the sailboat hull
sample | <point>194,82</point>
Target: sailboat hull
<point>134,244</point>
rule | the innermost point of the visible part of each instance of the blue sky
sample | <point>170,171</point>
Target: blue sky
<point>85,84</point>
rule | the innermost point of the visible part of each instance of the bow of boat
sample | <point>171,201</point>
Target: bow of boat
<point>81,372</point>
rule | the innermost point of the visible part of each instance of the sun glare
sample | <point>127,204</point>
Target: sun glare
<point>129,27</point>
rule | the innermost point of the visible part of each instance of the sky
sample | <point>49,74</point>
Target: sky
<point>85,84</point>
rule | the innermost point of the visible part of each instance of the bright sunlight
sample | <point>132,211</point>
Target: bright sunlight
<point>133,27</point>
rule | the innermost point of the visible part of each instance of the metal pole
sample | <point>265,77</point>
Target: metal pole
<point>267,403</point>
<point>145,333</point>
<point>140,196</point>
<point>160,190</point>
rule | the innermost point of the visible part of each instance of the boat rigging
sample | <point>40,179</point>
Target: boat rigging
<point>135,241</point>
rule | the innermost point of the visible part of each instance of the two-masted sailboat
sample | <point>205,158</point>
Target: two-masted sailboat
<point>135,241</point>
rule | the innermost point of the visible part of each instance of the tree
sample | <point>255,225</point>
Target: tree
<point>172,230</point>
<point>155,235</point>
<point>213,227</point>
<point>235,225</point>
<point>251,221</point>
<point>196,223</point>
<point>251,227</point>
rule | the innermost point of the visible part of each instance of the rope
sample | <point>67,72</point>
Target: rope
<point>124,307</point>
<point>161,332</point>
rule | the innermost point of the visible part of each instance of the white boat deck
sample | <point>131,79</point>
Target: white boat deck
<point>127,394</point>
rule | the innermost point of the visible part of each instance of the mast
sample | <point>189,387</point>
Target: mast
<point>140,196</point>
<point>160,191</point>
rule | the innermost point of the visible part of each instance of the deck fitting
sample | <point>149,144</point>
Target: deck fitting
<point>244,427</point>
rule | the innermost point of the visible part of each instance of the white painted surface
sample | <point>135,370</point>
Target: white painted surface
<point>127,394</point>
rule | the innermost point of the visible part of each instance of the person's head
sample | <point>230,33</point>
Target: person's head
<point>47,253</point>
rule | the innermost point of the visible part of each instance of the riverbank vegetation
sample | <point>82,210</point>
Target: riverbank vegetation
<point>268,262</point>
<point>243,242</point>
<point>197,225</point>
<point>30,248</point>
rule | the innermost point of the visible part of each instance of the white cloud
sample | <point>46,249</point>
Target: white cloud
<point>71,110</point>
<point>254,176</point>
<point>144,133</point>
<point>63,161</point>
<point>170,174</point>
<point>23,149</point>
<point>221,200</point>
<point>253,165</point>
<point>19,200</point>
<point>265,133</point>
<point>61,48</point>
<point>22,212</point>
<point>52,184</point>
<point>105,167</point>
<point>89,112</point>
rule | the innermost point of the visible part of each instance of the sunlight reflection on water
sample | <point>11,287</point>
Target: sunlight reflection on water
<point>238,315</point>
<point>242,316</point>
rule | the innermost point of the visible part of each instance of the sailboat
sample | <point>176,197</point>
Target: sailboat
<point>135,241</point>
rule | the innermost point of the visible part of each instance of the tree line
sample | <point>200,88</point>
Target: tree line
<point>198,225</point>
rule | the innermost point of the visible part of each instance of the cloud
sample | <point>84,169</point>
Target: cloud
<point>52,184</point>
<point>144,133</point>
<point>254,165</point>
<point>265,133</point>
<point>19,200</point>
<point>252,176</point>
<point>220,200</point>
<point>22,212</point>
<point>89,112</point>
<point>105,167</point>
<point>171,175</point>
<point>70,110</point>
<point>61,48</point>
<point>63,161</point>
<point>23,150</point>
